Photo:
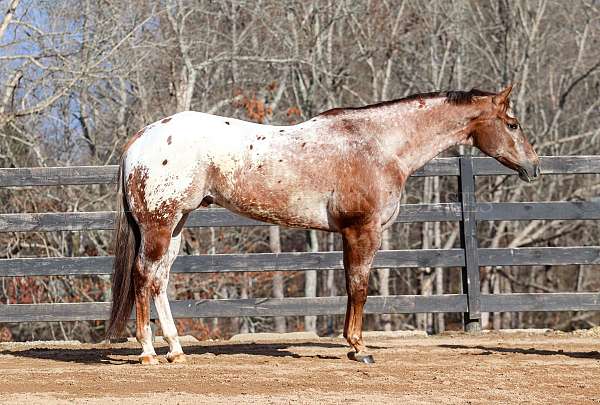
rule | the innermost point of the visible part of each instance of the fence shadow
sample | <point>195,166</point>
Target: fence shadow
<point>487,350</point>
<point>114,355</point>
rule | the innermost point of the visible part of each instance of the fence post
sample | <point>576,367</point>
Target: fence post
<point>468,238</point>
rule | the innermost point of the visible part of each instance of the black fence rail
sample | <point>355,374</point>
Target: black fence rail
<point>469,257</point>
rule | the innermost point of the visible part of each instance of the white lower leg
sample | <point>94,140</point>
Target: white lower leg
<point>166,321</point>
<point>145,339</point>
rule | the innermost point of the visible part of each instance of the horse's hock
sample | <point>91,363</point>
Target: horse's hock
<point>469,257</point>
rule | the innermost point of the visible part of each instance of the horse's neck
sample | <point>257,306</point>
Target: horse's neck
<point>419,135</point>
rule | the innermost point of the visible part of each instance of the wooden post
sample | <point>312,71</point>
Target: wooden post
<point>468,237</point>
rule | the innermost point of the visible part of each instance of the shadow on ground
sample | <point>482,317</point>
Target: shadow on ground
<point>114,355</point>
<point>487,350</point>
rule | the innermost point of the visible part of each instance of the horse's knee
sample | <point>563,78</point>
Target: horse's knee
<point>358,283</point>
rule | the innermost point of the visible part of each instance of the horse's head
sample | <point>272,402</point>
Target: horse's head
<point>497,133</point>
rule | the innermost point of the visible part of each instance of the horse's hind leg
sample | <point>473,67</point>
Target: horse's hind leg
<point>157,252</point>
<point>161,300</point>
<point>143,333</point>
<point>360,245</point>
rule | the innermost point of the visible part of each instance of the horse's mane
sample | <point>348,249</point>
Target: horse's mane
<point>455,97</point>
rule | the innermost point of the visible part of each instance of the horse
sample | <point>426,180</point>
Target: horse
<point>341,171</point>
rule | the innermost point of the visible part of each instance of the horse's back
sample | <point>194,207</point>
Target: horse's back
<point>290,175</point>
<point>172,156</point>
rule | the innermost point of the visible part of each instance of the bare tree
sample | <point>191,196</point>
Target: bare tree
<point>310,282</point>
<point>278,282</point>
<point>79,77</point>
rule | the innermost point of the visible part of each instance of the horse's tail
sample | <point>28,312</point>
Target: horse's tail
<point>127,243</point>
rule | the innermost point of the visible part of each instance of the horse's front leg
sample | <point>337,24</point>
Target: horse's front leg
<point>360,245</point>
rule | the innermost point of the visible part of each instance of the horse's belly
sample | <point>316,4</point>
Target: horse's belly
<point>295,210</point>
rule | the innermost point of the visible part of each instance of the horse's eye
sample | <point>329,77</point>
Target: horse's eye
<point>512,126</point>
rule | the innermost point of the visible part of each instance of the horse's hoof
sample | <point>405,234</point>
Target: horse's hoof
<point>176,358</point>
<point>362,358</point>
<point>148,359</point>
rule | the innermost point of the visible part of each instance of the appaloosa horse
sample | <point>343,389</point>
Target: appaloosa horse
<point>342,171</point>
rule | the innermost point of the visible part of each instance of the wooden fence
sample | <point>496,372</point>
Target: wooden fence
<point>469,257</point>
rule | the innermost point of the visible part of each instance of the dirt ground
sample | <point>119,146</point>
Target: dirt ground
<point>453,368</point>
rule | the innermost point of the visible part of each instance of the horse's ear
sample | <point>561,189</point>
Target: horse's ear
<point>502,97</point>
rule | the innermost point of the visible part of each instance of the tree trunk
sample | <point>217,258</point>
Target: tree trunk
<point>485,289</point>
<point>331,287</point>
<point>439,321</point>
<point>245,324</point>
<point>278,283</point>
<point>424,321</point>
<point>383,275</point>
<point>497,321</point>
<point>507,317</point>
<point>310,284</point>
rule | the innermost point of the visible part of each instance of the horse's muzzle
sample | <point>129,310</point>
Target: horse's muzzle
<point>529,172</point>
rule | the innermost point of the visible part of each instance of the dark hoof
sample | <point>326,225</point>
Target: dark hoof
<point>362,358</point>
